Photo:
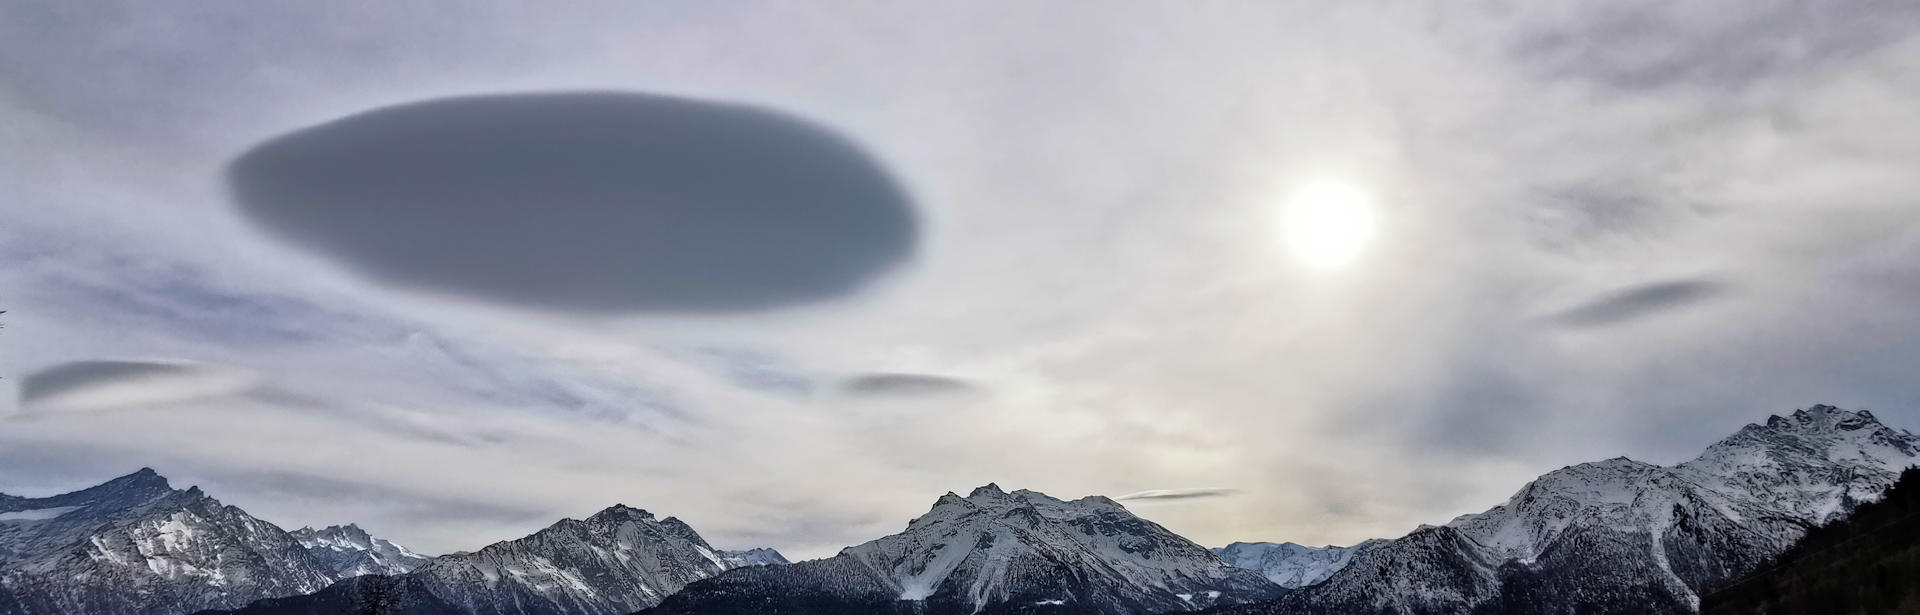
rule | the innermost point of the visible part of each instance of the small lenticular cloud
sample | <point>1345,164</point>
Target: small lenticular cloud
<point>1638,302</point>
<point>904,385</point>
<point>1164,495</point>
<point>101,385</point>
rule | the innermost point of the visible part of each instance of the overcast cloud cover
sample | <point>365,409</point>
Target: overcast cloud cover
<point>1606,228</point>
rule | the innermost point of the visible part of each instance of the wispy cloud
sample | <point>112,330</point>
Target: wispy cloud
<point>1639,302</point>
<point>1195,493</point>
<point>99,385</point>
<point>905,385</point>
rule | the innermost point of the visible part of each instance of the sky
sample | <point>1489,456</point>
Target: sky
<point>790,271</point>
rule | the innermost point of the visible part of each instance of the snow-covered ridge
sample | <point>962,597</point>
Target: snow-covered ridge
<point>1807,466</point>
<point>998,550</point>
<point>349,551</point>
<point>1632,532</point>
<point>752,557</point>
<point>1291,565</point>
<point>619,560</point>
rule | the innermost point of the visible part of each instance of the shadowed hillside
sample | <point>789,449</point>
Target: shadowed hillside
<point>1868,563</point>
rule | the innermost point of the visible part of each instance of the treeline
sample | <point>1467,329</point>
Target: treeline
<point>1865,564</point>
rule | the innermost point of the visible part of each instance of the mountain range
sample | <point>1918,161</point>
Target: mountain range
<point>1623,536</point>
<point>1612,536</point>
<point>136,546</point>
<point>619,560</point>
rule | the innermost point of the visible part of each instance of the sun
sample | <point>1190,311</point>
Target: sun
<point>1327,225</point>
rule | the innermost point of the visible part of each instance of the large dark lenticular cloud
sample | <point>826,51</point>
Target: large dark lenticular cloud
<point>585,202</point>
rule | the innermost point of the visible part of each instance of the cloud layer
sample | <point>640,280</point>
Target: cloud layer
<point>590,202</point>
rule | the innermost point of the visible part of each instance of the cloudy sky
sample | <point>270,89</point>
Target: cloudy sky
<point>789,271</point>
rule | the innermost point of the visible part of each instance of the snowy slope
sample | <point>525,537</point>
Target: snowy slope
<point>1625,536</point>
<point>135,545</point>
<point>752,557</point>
<point>619,560</point>
<point>1290,565</point>
<point>994,551</point>
<point>348,551</point>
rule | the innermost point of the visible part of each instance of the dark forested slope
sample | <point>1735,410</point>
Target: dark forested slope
<point>1868,563</point>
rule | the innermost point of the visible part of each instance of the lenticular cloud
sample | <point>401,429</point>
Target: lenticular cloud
<point>585,202</point>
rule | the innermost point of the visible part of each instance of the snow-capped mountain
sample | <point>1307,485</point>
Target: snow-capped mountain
<point>1290,565</point>
<point>1625,536</point>
<point>617,561</point>
<point>752,557</point>
<point>135,545</point>
<point>993,552</point>
<point>348,551</point>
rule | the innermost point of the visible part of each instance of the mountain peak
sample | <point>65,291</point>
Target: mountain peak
<point>1819,434</point>
<point>1823,417</point>
<point>144,477</point>
<point>619,560</point>
<point>989,489</point>
<point>141,486</point>
<point>1099,500</point>
<point>350,530</point>
<point>621,513</point>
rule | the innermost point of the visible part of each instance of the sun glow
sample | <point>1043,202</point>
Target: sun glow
<point>1327,225</point>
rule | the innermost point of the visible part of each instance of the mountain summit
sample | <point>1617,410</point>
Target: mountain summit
<point>993,552</point>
